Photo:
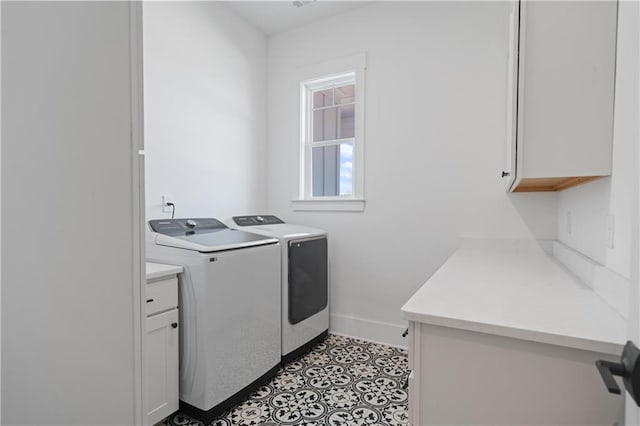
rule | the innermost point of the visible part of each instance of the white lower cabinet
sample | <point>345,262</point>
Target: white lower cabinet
<point>162,340</point>
<point>162,365</point>
<point>464,377</point>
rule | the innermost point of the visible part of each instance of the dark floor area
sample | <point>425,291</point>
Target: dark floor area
<point>342,381</point>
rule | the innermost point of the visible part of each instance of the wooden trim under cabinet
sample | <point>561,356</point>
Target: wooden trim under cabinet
<point>552,184</point>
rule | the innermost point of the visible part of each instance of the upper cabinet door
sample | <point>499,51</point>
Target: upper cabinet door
<point>564,99</point>
<point>512,94</point>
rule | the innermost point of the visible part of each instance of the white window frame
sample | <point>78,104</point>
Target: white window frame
<point>330,74</point>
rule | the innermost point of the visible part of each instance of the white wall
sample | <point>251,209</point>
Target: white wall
<point>590,204</point>
<point>435,137</point>
<point>68,236</point>
<point>205,100</point>
<point>630,15</point>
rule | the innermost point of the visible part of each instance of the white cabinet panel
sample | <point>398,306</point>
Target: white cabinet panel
<point>162,365</point>
<point>414,400</point>
<point>565,71</point>
<point>467,378</point>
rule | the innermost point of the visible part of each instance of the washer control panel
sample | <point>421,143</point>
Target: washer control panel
<point>180,226</point>
<point>256,220</point>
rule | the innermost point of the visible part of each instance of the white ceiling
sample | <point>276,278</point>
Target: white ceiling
<point>273,17</point>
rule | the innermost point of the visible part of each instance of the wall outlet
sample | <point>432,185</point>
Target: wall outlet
<point>568,223</point>
<point>611,227</point>
<point>167,199</point>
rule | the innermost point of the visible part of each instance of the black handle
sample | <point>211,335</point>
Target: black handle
<point>607,370</point>
<point>505,174</point>
<point>149,300</point>
<point>174,325</point>
<point>628,368</point>
<point>405,333</point>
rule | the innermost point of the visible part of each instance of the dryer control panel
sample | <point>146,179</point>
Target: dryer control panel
<point>256,220</point>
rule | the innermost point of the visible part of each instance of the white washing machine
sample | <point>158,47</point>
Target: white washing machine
<point>229,310</point>
<point>305,279</point>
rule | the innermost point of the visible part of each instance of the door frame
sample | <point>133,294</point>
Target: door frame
<point>138,210</point>
<point>632,411</point>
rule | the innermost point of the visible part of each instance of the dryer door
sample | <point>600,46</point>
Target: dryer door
<point>308,280</point>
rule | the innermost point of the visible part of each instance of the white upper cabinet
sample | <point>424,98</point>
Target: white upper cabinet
<point>560,97</point>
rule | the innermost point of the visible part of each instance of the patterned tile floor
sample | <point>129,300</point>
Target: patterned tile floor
<point>342,381</point>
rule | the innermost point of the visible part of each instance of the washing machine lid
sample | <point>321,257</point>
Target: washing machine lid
<point>275,227</point>
<point>205,235</point>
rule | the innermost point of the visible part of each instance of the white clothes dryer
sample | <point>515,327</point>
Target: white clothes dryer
<point>229,310</point>
<point>305,280</point>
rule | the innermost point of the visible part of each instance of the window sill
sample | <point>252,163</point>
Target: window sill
<point>330,205</point>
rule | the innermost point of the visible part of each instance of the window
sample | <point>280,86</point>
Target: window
<point>331,115</point>
<point>332,141</point>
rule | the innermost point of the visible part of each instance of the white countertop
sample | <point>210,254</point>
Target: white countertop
<point>159,270</point>
<point>524,294</point>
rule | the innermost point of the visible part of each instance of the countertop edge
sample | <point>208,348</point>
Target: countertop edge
<point>573,342</point>
<point>164,271</point>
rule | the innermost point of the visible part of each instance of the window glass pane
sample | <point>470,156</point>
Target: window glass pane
<point>325,124</point>
<point>323,98</point>
<point>345,94</point>
<point>346,169</point>
<point>332,170</point>
<point>347,121</point>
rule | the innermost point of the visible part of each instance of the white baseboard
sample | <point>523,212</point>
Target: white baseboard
<point>370,330</point>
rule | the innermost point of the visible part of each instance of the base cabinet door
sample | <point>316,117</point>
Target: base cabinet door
<point>162,366</point>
